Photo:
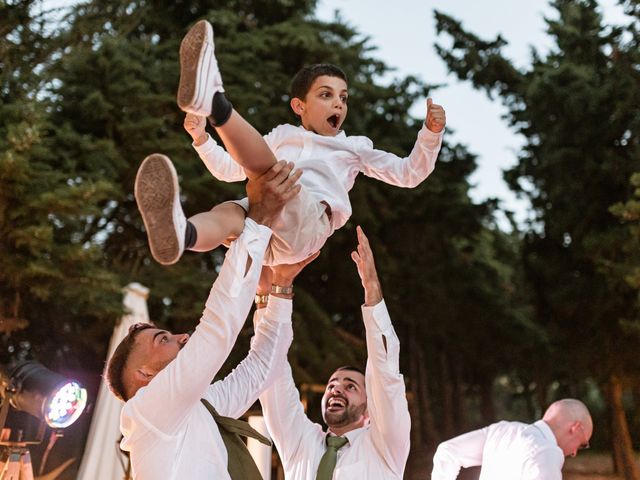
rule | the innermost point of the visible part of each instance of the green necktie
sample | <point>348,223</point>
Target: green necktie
<point>330,457</point>
<point>240,463</point>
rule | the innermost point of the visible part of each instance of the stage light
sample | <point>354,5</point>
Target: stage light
<point>34,389</point>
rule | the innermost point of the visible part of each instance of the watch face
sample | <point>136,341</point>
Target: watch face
<point>283,290</point>
<point>261,299</point>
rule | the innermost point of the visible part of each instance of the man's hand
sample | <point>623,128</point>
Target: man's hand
<point>271,191</point>
<point>436,117</point>
<point>363,257</point>
<point>265,282</point>
<point>283,275</point>
<point>195,126</point>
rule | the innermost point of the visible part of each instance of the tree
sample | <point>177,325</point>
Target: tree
<point>107,99</point>
<point>53,290</point>
<point>575,109</point>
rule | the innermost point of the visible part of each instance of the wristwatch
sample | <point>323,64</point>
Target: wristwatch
<point>282,290</point>
<point>261,299</point>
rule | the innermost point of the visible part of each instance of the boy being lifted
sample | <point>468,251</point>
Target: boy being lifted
<point>329,159</point>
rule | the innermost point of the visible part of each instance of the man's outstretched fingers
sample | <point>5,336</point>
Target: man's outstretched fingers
<point>362,238</point>
<point>358,261</point>
<point>283,172</point>
<point>275,170</point>
<point>291,192</point>
<point>363,257</point>
<point>291,180</point>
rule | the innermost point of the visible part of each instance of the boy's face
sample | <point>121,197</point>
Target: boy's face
<point>325,106</point>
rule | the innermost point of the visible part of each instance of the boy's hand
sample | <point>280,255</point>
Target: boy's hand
<point>436,117</point>
<point>363,257</point>
<point>195,126</point>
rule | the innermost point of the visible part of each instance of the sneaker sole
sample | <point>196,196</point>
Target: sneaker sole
<point>196,55</point>
<point>156,191</point>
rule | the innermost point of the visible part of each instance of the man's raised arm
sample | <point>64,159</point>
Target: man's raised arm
<point>386,396</point>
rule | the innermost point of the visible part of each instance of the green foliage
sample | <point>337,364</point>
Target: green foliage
<point>103,97</point>
<point>51,279</point>
<point>629,215</point>
<point>576,107</point>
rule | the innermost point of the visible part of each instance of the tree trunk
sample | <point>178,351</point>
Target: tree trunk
<point>487,407</point>
<point>430,431</point>
<point>446,385</point>
<point>414,388</point>
<point>423,431</point>
<point>460,417</point>
<point>623,457</point>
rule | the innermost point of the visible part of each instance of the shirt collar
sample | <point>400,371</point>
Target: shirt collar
<point>341,133</point>
<point>351,435</point>
<point>546,431</point>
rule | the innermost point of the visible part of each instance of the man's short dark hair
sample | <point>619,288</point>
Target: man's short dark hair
<point>350,368</point>
<point>117,362</point>
<point>305,77</point>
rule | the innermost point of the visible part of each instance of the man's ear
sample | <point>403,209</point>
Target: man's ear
<point>365,414</point>
<point>297,106</point>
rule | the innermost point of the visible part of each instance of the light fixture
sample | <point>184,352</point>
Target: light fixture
<point>34,389</point>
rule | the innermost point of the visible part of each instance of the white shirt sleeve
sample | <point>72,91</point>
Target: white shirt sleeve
<point>285,417</point>
<point>268,354</point>
<point>463,451</point>
<point>219,162</point>
<point>386,396</point>
<point>402,172</point>
<point>546,464</point>
<point>162,405</point>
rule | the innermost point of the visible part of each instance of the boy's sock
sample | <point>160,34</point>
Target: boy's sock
<point>220,110</point>
<point>190,236</point>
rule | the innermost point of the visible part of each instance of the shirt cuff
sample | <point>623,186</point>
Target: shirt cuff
<point>279,309</point>
<point>252,243</point>
<point>206,147</point>
<point>377,315</point>
<point>255,233</point>
<point>430,138</point>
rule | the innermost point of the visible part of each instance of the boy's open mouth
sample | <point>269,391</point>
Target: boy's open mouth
<point>334,120</point>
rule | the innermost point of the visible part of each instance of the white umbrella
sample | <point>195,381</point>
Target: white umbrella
<point>102,459</point>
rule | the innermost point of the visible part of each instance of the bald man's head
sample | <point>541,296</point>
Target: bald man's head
<point>570,422</point>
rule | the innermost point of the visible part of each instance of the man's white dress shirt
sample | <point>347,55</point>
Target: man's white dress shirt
<point>506,450</point>
<point>167,430</point>
<point>330,166</point>
<point>376,451</point>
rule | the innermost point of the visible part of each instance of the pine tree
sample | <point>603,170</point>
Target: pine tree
<point>576,109</point>
<point>53,289</point>
<point>110,101</point>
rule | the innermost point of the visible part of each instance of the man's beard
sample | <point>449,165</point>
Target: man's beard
<point>347,416</point>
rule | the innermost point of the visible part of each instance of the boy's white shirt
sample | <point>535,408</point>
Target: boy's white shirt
<point>331,164</point>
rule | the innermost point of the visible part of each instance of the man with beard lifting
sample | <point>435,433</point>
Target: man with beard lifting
<point>367,415</point>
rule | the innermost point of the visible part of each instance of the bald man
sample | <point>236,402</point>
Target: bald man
<point>516,450</point>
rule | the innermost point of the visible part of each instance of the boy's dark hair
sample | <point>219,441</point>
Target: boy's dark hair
<point>305,77</point>
<point>117,362</point>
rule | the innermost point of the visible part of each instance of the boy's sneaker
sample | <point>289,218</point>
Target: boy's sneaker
<point>199,75</point>
<point>157,193</point>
